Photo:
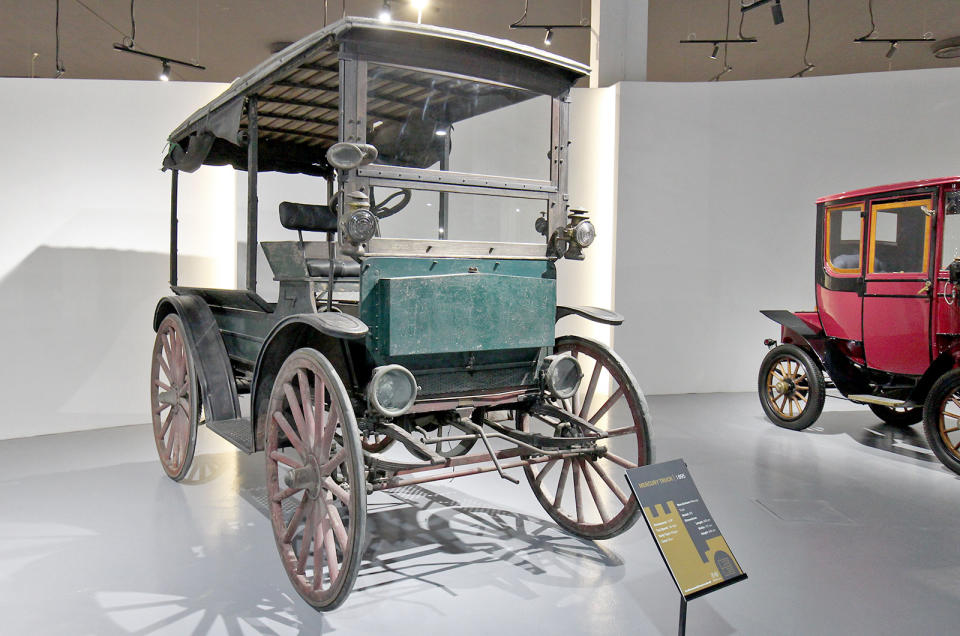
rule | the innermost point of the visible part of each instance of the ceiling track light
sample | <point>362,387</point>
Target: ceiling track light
<point>548,36</point>
<point>894,43</point>
<point>384,14</point>
<point>165,61</point>
<point>716,44</point>
<point>776,9</point>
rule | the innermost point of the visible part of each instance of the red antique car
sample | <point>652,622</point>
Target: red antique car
<point>886,329</point>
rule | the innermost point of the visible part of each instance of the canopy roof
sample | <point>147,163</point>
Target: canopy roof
<point>298,94</point>
<point>905,185</point>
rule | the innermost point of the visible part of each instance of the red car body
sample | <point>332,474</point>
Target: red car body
<point>886,327</point>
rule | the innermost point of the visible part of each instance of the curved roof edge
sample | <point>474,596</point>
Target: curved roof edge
<point>249,80</point>
<point>892,187</point>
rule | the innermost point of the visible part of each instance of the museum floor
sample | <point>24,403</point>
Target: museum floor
<point>848,528</point>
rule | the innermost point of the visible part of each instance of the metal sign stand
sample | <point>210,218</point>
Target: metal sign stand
<point>683,616</point>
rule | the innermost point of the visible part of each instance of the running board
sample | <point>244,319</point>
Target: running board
<point>877,399</point>
<point>238,432</point>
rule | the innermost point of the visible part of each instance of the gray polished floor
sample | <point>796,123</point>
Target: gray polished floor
<point>847,528</point>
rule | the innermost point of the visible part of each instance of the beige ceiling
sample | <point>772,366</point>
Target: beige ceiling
<point>230,36</point>
<point>779,51</point>
<point>234,34</point>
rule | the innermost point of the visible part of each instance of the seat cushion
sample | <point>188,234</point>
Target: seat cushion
<point>320,267</point>
<point>307,217</point>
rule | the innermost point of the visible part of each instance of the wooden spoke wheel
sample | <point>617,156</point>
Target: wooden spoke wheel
<point>315,479</point>
<point>941,419</point>
<point>791,387</point>
<point>587,495</point>
<point>174,398</point>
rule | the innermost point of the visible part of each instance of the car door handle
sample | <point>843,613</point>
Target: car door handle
<point>925,289</point>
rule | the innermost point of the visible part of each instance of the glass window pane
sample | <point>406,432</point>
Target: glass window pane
<point>412,115</point>
<point>951,239</point>
<point>901,234</point>
<point>470,217</point>
<point>843,239</point>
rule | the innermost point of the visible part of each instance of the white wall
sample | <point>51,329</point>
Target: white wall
<point>84,235</point>
<point>717,183</point>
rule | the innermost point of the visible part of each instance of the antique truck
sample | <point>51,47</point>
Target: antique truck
<point>886,328</point>
<point>424,316</point>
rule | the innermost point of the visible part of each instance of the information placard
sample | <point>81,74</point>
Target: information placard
<point>696,553</point>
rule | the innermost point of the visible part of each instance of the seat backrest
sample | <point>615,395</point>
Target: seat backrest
<point>307,217</point>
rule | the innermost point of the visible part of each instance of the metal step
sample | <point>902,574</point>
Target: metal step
<point>238,432</point>
<point>877,399</point>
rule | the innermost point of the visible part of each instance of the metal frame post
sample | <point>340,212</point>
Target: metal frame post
<point>252,202</point>
<point>445,196</point>
<point>174,183</point>
<point>559,138</point>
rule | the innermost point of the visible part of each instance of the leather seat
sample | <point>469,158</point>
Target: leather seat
<point>320,267</point>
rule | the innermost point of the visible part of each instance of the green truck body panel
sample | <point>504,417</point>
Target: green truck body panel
<point>423,306</point>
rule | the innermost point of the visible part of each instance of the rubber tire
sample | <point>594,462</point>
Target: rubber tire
<point>818,389</point>
<point>942,388</point>
<point>895,417</point>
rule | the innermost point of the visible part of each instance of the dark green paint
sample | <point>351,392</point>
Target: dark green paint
<point>419,306</point>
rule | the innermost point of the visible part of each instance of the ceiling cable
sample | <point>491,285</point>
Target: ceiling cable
<point>100,17</point>
<point>873,24</point>
<point>726,68</point>
<point>807,66</point>
<point>133,24</point>
<point>60,69</point>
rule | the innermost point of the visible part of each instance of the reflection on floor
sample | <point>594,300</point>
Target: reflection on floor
<point>847,528</point>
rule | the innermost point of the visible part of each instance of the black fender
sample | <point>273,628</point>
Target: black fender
<point>946,361</point>
<point>214,371</point>
<point>846,376</point>
<point>327,332</point>
<point>596,314</point>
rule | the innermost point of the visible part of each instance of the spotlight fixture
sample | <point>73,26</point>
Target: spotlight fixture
<point>385,11</point>
<point>717,42</point>
<point>165,61</point>
<point>776,9</point>
<point>548,38</point>
<point>893,42</point>
<point>441,132</point>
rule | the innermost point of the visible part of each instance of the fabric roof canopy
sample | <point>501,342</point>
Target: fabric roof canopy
<point>298,96</point>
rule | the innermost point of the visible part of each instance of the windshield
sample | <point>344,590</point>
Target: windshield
<point>420,119</point>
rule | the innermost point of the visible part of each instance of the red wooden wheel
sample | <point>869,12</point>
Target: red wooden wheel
<point>315,479</point>
<point>173,398</point>
<point>588,496</point>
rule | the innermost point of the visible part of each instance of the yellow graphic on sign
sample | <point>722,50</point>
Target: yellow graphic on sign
<point>694,568</point>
